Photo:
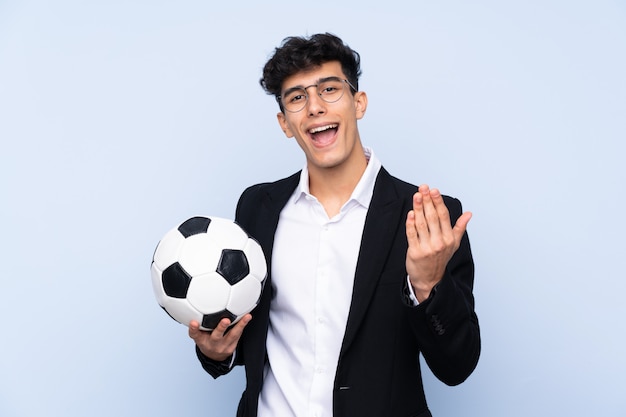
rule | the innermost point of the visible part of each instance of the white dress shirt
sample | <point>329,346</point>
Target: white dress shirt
<point>313,267</point>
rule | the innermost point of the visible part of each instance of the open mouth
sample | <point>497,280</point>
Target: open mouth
<point>323,134</point>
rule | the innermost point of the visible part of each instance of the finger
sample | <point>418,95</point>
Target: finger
<point>430,212</point>
<point>221,328</point>
<point>443,214</point>
<point>411,233</point>
<point>237,330</point>
<point>461,226</point>
<point>421,226</point>
<point>194,329</point>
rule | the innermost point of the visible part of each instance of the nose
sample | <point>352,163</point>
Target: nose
<point>315,105</point>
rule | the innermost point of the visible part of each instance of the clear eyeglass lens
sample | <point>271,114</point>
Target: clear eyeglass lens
<point>329,91</point>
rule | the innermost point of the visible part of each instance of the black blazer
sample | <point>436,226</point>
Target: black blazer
<point>378,373</point>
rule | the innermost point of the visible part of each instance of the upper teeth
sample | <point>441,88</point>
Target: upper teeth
<point>322,128</point>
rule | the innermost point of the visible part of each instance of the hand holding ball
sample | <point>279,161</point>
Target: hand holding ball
<point>206,269</point>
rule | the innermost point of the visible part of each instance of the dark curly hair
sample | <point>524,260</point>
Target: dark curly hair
<point>297,54</point>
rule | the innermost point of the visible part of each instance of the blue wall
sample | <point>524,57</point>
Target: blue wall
<point>118,119</point>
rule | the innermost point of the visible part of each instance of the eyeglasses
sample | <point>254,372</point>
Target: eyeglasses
<point>329,89</point>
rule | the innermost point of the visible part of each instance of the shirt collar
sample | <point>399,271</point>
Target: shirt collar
<point>364,189</point>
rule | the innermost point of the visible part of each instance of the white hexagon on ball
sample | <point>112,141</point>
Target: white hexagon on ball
<point>229,237</point>
<point>244,296</point>
<point>181,311</point>
<point>199,254</point>
<point>168,249</point>
<point>208,293</point>
<point>256,260</point>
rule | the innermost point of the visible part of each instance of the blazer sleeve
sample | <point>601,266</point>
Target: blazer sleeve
<point>446,324</point>
<point>214,368</point>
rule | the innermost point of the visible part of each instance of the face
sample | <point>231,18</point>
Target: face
<point>326,132</point>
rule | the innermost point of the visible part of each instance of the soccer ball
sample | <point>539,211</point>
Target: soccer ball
<point>206,269</point>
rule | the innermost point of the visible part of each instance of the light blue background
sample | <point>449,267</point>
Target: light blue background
<point>119,119</point>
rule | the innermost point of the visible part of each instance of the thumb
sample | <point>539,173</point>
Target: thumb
<point>194,329</point>
<point>461,225</point>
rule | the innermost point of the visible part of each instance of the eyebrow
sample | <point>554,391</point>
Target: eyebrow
<point>319,81</point>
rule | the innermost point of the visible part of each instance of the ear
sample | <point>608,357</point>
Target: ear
<point>282,121</point>
<point>360,104</point>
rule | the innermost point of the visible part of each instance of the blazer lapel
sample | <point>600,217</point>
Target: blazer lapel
<point>269,210</point>
<point>263,221</point>
<point>384,214</point>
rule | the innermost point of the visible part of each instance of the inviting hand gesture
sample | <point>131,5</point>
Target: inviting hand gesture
<point>432,240</point>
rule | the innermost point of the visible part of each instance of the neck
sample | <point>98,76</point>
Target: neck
<point>333,186</point>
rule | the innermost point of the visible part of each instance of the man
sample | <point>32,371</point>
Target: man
<point>366,271</point>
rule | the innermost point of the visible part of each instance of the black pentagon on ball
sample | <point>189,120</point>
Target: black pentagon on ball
<point>210,321</point>
<point>175,281</point>
<point>194,226</point>
<point>233,265</point>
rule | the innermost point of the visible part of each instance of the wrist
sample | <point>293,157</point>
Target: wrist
<point>422,291</point>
